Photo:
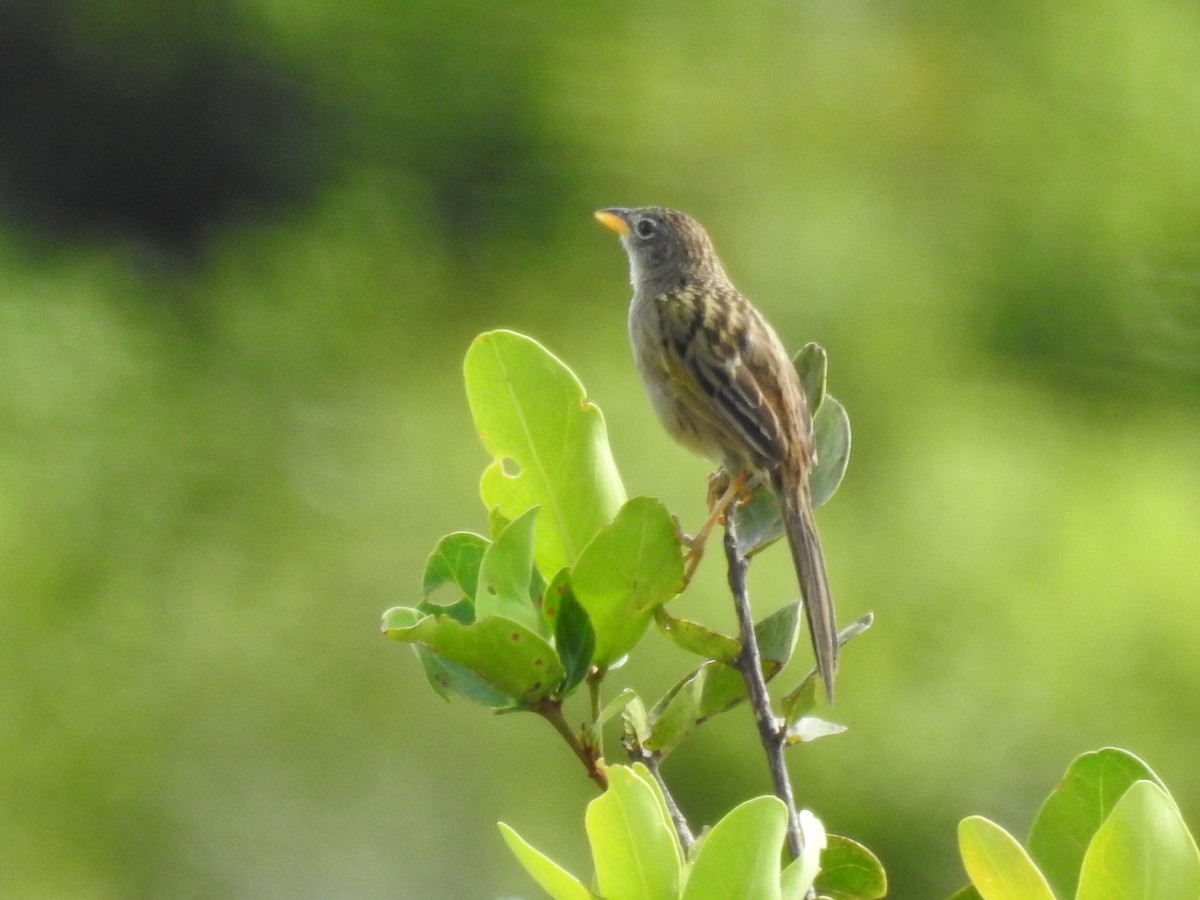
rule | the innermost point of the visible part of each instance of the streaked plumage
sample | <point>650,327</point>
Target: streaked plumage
<point>723,384</point>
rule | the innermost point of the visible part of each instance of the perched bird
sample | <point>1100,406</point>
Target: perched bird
<point>724,386</point>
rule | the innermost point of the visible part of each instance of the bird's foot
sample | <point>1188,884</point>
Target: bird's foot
<point>718,484</point>
<point>723,490</point>
<point>682,536</point>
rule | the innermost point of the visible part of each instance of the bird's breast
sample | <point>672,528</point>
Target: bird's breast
<point>681,422</point>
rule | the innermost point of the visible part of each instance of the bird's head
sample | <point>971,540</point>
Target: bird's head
<point>666,248</point>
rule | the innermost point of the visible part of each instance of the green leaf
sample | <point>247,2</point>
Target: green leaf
<point>534,418</point>
<point>998,866</point>
<point>696,638</point>
<point>617,704</point>
<point>807,729</point>
<point>1075,810</point>
<point>812,365</point>
<point>740,856</point>
<point>634,847</point>
<point>757,518</point>
<point>444,676</point>
<point>635,721</point>
<point>777,634</point>
<point>801,700</point>
<point>463,611</point>
<point>800,874</point>
<point>505,656</point>
<point>455,560</point>
<point>758,521</point>
<point>550,876</point>
<point>497,522</point>
<point>831,429</point>
<point>574,638</point>
<point>855,628</point>
<point>642,771</point>
<point>849,871</point>
<point>966,892</point>
<point>629,568</point>
<point>505,573</point>
<point>1143,851</point>
<point>712,688</point>
<point>536,593</point>
<point>716,687</point>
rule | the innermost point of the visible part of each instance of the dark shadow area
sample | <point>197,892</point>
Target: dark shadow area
<point>155,132</point>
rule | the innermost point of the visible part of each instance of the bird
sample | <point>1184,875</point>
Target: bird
<point>724,386</point>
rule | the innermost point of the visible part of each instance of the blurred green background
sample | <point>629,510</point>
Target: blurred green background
<point>244,246</point>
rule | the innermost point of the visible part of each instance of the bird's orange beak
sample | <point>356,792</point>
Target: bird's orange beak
<point>610,218</point>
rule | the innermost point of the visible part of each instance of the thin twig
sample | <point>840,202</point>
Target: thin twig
<point>749,663</point>
<point>551,711</point>
<point>594,679</point>
<point>652,762</point>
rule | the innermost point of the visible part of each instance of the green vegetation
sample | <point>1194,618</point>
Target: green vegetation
<point>221,457</point>
<point>535,611</point>
<point>1110,830</point>
<point>512,639</point>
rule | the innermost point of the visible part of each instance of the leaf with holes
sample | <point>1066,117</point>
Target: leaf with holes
<point>534,418</point>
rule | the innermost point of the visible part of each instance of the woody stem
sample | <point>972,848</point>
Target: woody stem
<point>749,663</point>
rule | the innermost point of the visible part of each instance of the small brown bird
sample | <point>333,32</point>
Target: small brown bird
<point>724,386</point>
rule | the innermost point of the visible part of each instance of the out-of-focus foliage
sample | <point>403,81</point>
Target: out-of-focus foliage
<point>637,854</point>
<point>1110,829</point>
<point>153,119</point>
<point>231,431</point>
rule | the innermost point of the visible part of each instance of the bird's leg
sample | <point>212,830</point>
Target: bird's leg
<point>718,483</point>
<point>723,490</point>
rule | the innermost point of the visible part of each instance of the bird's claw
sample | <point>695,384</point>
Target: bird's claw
<point>718,484</point>
<point>682,536</point>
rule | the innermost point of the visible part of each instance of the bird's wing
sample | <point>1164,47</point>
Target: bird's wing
<point>716,357</point>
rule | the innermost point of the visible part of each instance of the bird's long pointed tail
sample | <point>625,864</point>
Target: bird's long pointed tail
<point>801,529</point>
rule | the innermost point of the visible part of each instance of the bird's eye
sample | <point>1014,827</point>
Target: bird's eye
<point>645,228</point>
